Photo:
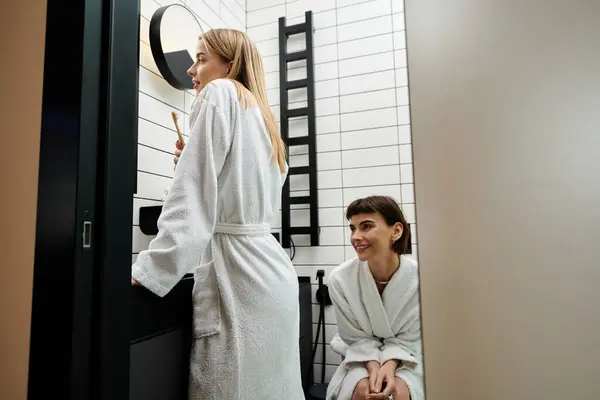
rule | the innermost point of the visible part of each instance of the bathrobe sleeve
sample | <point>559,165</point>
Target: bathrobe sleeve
<point>362,346</point>
<point>409,372</point>
<point>188,217</point>
<point>406,347</point>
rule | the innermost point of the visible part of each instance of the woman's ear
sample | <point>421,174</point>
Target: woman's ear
<point>397,232</point>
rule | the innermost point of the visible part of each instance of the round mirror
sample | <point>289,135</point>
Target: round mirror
<point>174,32</point>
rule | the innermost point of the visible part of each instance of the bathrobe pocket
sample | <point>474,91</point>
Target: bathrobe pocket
<point>207,302</point>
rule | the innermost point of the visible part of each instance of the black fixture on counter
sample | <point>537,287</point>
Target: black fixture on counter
<point>149,218</point>
<point>160,342</point>
<point>309,140</point>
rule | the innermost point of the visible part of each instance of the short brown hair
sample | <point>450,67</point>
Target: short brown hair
<point>392,214</point>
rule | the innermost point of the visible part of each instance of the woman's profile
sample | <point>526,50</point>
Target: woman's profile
<point>215,223</point>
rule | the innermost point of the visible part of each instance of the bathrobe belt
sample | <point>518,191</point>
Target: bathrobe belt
<point>243,229</point>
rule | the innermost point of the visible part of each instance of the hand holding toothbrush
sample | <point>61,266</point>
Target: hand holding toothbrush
<point>180,144</point>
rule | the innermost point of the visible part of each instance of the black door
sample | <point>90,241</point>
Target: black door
<point>80,333</point>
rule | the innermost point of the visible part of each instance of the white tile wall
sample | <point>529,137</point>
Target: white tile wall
<point>363,119</point>
<point>364,29</point>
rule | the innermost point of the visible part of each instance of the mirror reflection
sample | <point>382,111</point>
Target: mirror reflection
<point>283,202</point>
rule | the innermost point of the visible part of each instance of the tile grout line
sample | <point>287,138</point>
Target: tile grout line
<point>356,168</point>
<point>162,101</point>
<point>362,56</point>
<point>344,150</point>
<point>345,113</point>
<point>161,126</point>
<point>330,79</point>
<point>337,50</point>
<point>345,95</point>
<point>221,3</point>
<point>396,98</point>
<point>296,1</point>
<point>328,44</point>
<point>340,113</point>
<point>415,244</point>
<point>318,12</point>
<point>155,174</point>
<point>136,197</point>
<point>155,148</point>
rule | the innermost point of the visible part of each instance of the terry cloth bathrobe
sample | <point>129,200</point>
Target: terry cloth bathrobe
<point>215,222</point>
<point>375,327</point>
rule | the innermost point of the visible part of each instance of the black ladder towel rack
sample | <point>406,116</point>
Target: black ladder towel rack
<point>309,140</point>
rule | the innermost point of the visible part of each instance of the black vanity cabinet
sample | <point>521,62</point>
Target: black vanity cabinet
<point>160,343</point>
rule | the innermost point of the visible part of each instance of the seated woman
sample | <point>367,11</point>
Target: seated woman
<point>376,301</point>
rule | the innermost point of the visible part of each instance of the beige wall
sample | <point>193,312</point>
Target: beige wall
<point>22,28</point>
<point>506,134</point>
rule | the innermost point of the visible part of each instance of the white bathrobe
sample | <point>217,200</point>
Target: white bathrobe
<point>374,327</point>
<point>215,222</point>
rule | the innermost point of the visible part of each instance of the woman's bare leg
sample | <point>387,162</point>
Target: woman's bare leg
<point>361,391</point>
<point>401,390</point>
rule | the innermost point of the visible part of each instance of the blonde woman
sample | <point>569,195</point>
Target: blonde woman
<point>215,222</point>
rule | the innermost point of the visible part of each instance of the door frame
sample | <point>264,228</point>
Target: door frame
<point>79,345</point>
<point>119,186</point>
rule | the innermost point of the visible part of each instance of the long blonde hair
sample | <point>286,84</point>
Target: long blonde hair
<point>248,75</point>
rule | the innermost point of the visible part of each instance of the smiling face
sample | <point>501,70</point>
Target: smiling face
<point>372,238</point>
<point>207,67</point>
